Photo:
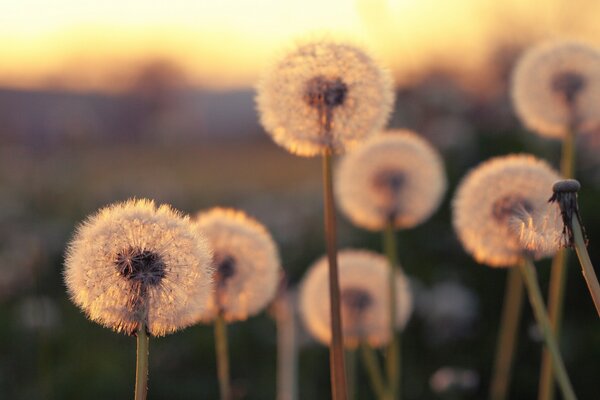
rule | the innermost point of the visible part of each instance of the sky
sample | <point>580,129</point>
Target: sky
<point>224,44</point>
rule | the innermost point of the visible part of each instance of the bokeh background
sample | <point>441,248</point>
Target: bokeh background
<point>103,101</point>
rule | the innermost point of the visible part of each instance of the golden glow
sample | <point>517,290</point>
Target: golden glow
<point>88,44</point>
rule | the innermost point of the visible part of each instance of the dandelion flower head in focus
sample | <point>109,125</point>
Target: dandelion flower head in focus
<point>556,87</point>
<point>501,210</point>
<point>324,95</point>
<point>133,264</point>
<point>364,289</point>
<point>246,262</point>
<point>395,176</point>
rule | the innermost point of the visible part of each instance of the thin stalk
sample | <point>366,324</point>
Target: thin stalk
<point>558,278</point>
<point>393,350</point>
<point>222,357</point>
<point>336,348</point>
<point>586,264</point>
<point>351,373</point>
<point>287,349</point>
<point>371,364</point>
<point>539,309</point>
<point>509,327</point>
<point>141,368</point>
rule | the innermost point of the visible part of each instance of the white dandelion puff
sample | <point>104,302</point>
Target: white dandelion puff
<point>364,289</point>
<point>394,176</point>
<point>556,87</point>
<point>133,264</point>
<point>246,261</point>
<point>500,210</point>
<point>324,95</point>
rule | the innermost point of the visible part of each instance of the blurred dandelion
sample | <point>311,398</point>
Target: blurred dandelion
<point>139,269</point>
<point>365,306</point>
<point>447,379</point>
<point>500,210</point>
<point>394,176</point>
<point>324,95</point>
<point>556,88</point>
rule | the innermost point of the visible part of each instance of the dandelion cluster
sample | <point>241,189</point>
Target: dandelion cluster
<point>501,211</point>
<point>133,265</point>
<point>396,176</point>
<point>246,264</point>
<point>364,292</point>
<point>324,95</point>
<point>556,87</point>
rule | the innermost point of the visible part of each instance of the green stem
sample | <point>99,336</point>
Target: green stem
<point>369,358</point>
<point>222,357</point>
<point>336,348</point>
<point>537,303</point>
<point>509,326</point>
<point>586,264</point>
<point>141,370</point>
<point>558,278</point>
<point>393,349</point>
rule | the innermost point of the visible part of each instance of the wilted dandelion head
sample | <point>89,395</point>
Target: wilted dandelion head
<point>395,176</point>
<point>364,290</point>
<point>324,94</point>
<point>501,212</point>
<point>246,264</point>
<point>556,87</point>
<point>134,264</point>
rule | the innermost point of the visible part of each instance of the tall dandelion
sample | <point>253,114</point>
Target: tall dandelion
<point>396,180</point>
<point>141,270</point>
<point>323,97</point>
<point>556,93</point>
<point>493,205</point>
<point>365,305</point>
<point>246,275</point>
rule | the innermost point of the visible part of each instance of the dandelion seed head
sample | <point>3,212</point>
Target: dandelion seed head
<point>500,210</point>
<point>324,94</point>
<point>246,262</point>
<point>556,86</point>
<point>364,291</point>
<point>134,264</point>
<point>395,175</point>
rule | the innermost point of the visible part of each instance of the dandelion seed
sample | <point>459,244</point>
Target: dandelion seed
<point>500,210</point>
<point>247,267</point>
<point>396,176</point>
<point>134,264</point>
<point>322,95</point>
<point>364,299</point>
<point>556,87</point>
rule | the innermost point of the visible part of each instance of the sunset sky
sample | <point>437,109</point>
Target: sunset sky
<point>97,45</point>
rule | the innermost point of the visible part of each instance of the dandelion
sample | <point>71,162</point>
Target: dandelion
<point>246,275</point>
<point>395,177</point>
<point>139,269</point>
<point>365,305</point>
<point>502,204</point>
<point>324,95</point>
<point>556,88</point>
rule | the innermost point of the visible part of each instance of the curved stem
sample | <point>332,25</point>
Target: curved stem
<point>141,368</point>
<point>369,358</point>
<point>537,303</point>
<point>336,348</point>
<point>393,349</point>
<point>222,357</point>
<point>586,264</point>
<point>509,326</point>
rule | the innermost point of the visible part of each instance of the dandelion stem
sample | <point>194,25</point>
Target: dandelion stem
<point>537,303</point>
<point>336,349</point>
<point>141,370</point>
<point>222,357</point>
<point>351,373</point>
<point>369,358</point>
<point>509,326</point>
<point>586,264</point>
<point>558,278</point>
<point>287,348</point>
<point>393,349</point>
